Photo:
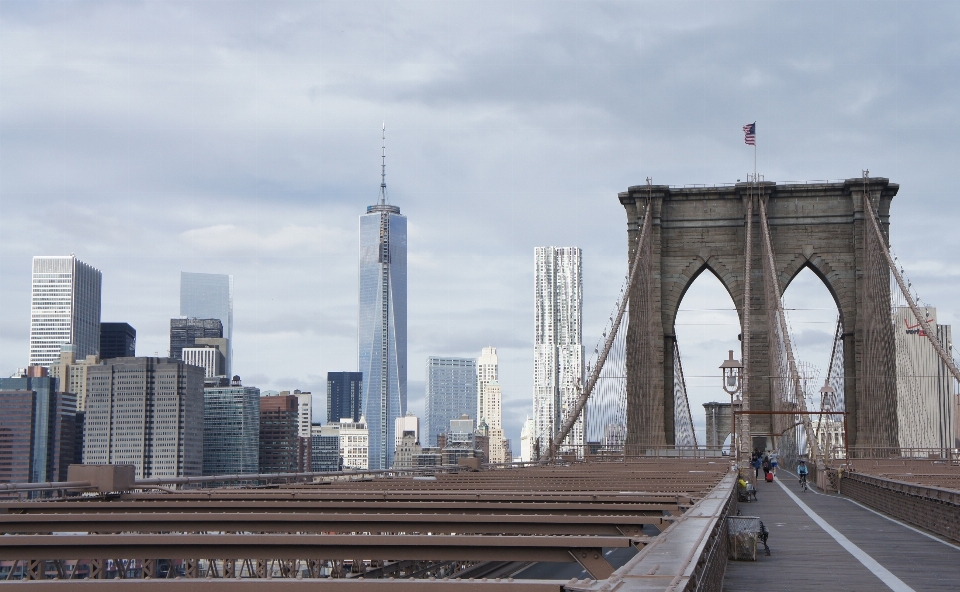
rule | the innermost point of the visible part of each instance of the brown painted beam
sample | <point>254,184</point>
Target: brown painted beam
<point>438,547</point>
<point>332,522</point>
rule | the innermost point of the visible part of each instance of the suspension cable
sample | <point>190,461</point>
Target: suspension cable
<point>931,335</point>
<point>774,301</point>
<point>595,374</point>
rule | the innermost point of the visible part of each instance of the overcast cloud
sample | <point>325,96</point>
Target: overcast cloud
<point>151,138</point>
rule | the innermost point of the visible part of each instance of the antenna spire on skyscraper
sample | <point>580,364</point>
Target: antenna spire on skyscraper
<point>383,166</point>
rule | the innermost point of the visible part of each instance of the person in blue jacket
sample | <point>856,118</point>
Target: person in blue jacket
<point>802,471</point>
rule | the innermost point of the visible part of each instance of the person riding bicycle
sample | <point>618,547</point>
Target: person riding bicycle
<point>802,471</point>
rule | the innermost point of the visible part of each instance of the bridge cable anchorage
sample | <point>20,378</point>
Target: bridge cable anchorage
<point>574,414</point>
<point>785,381</point>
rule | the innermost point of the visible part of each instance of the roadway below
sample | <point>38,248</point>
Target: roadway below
<point>828,542</point>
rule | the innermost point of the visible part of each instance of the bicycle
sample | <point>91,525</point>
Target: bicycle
<point>803,483</point>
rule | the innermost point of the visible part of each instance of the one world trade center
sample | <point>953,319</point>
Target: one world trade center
<point>382,339</point>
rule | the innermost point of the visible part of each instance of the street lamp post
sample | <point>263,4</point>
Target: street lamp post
<point>732,384</point>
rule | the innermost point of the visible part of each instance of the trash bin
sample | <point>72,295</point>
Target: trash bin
<point>742,533</point>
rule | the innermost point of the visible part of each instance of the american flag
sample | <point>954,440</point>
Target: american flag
<point>750,134</point>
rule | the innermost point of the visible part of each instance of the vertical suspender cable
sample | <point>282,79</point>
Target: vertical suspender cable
<point>744,431</point>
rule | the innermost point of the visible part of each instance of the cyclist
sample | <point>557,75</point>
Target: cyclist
<point>802,472</point>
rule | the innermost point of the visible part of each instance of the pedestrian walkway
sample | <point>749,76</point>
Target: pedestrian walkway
<point>873,552</point>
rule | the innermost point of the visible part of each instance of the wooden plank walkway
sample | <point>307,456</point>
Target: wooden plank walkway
<point>806,557</point>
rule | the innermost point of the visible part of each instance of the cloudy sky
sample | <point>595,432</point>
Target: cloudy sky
<point>151,138</point>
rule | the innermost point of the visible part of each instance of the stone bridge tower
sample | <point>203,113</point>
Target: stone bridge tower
<point>817,225</point>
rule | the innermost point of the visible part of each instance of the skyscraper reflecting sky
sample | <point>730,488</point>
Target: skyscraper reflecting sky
<point>451,392</point>
<point>382,327</point>
<point>209,296</point>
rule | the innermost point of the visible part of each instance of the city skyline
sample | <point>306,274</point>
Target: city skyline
<point>262,173</point>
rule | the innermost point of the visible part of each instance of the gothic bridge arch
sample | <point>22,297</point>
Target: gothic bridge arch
<point>815,225</point>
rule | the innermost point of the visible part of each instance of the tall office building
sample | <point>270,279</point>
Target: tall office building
<point>558,347</point>
<point>451,392</point>
<point>325,447</point>
<point>304,412</point>
<point>64,308</point>
<point>488,369</point>
<point>184,332</point>
<point>344,396</point>
<point>493,418</point>
<point>489,398</point>
<point>279,442</point>
<point>925,394</point>
<point>208,358</point>
<point>382,327</point>
<point>37,428</point>
<point>231,429</point>
<point>146,412</point>
<point>209,296</point>
<point>117,340</point>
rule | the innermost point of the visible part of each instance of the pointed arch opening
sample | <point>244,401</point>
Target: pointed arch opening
<point>706,326</point>
<point>812,313</point>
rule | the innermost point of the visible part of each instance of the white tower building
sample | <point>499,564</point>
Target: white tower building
<point>526,441</point>
<point>489,397</point>
<point>487,370</point>
<point>494,418</point>
<point>558,347</point>
<point>64,308</point>
<point>304,412</point>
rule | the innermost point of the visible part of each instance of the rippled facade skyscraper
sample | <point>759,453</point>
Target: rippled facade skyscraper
<point>382,327</point>
<point>558,342</point>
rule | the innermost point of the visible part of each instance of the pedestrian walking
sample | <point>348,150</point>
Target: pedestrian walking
<point>766,465</point>
<point>755,463</point>
<point>774,457</point>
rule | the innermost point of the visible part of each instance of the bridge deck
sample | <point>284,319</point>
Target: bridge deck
<point>804,556</point>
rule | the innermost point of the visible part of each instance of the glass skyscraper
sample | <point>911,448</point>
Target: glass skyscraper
<point>231,429</point>
<point>344,390</point>
<point>451,392</point>
<point>209,296</point>
<point>382,327</point>
<point>64,308</point>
